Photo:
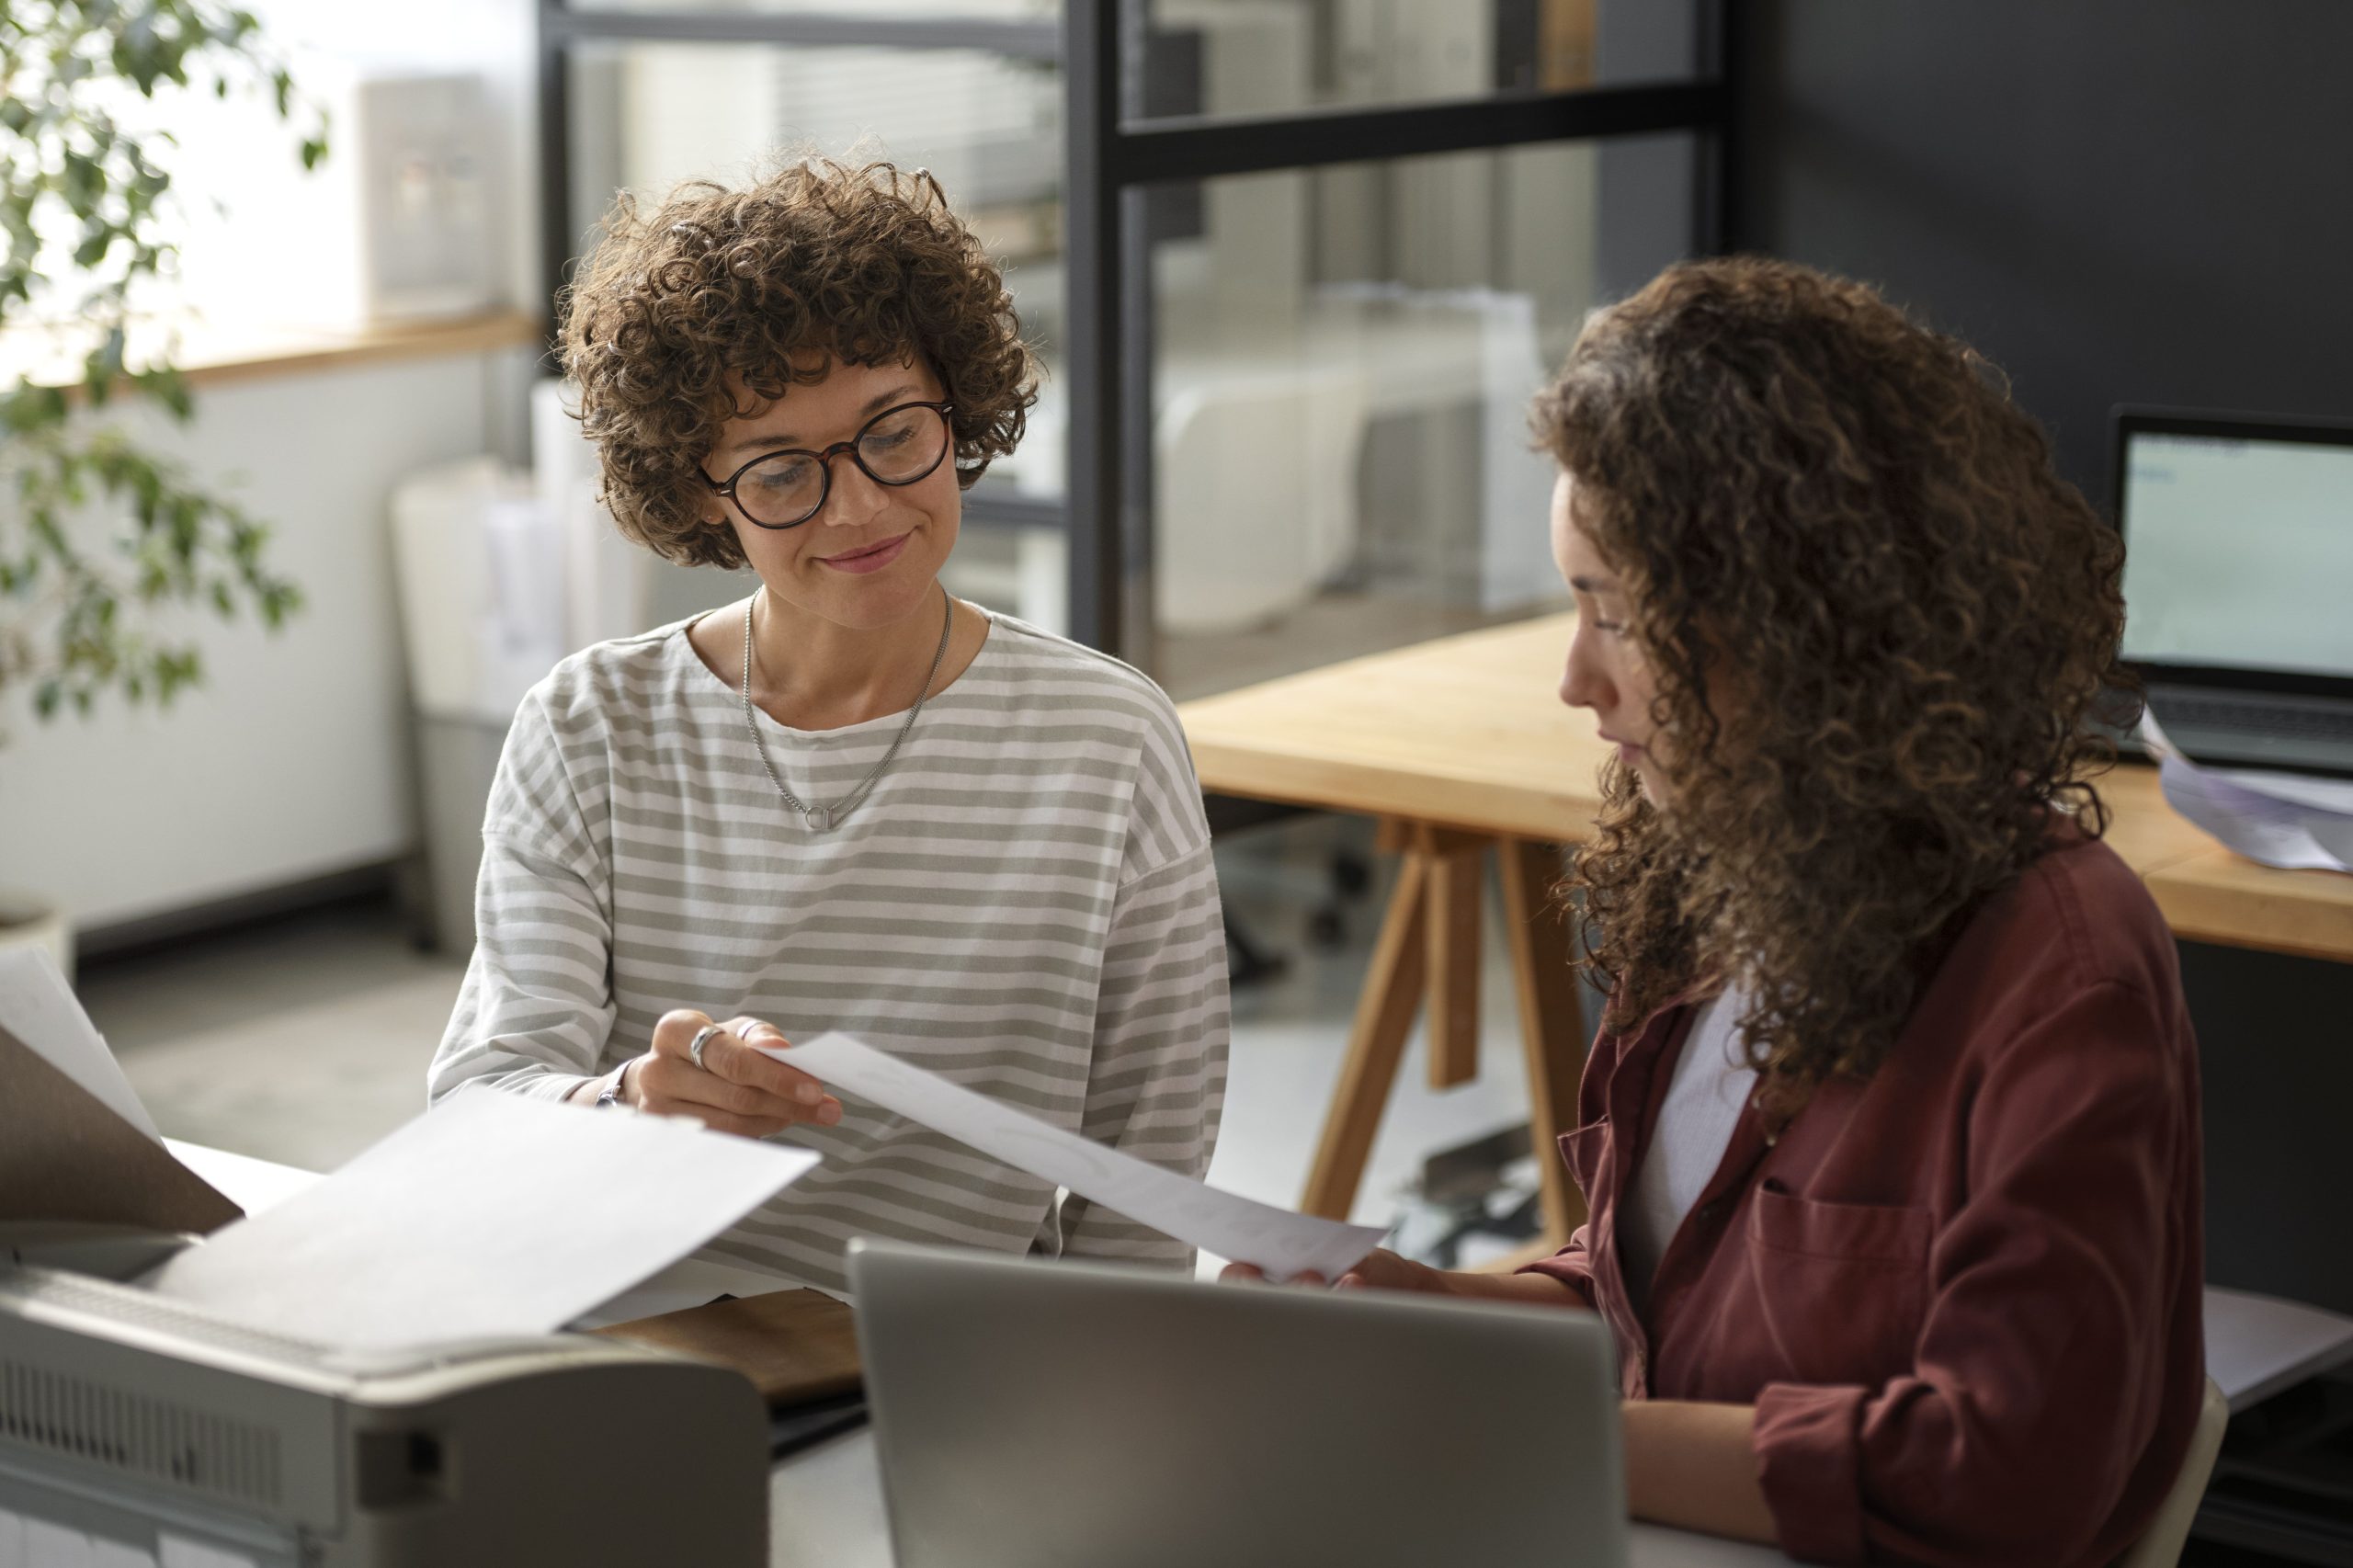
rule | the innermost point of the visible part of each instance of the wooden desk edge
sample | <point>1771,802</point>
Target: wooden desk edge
<point>2228,900</point>
<point>1367,790</point>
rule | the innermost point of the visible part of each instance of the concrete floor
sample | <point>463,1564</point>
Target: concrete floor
<point>306,1040</point>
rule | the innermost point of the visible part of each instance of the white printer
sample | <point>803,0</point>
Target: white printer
<point>137,1432</point>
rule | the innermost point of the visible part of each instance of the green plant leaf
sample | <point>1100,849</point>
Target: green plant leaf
<point>75,615</point>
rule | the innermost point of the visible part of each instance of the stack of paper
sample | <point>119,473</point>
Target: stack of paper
<point>2256,1346</point>
<point>490,1215</point>
<point>2281,819</point>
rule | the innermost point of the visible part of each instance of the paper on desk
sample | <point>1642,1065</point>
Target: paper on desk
<point>2255,1345</point>
<point>489,1215</point>
<point>2280,819</point>
<point>39,1008</point>
<point>1275,1240</point>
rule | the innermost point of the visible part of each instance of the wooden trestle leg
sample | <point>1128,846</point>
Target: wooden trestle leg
<point>1430,943</point>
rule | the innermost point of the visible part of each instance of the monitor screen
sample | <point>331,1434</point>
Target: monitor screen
<point>2238,552</point>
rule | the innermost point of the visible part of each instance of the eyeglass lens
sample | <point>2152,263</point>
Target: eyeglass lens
<point>899,447</point>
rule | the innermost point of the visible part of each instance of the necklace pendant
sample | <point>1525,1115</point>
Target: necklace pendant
<point>819,819</point>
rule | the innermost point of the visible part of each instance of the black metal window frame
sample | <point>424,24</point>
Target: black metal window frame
<point>1111,155</point>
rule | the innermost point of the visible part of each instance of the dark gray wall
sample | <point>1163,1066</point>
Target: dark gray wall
<point>2117,200</point>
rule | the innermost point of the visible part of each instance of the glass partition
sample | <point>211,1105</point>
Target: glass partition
<point>1354,340</point>
<point>1218,58</point>
<point>895,10</point>
<point>1342,363</point>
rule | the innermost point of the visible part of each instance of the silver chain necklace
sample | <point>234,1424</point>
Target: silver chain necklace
<point>819,819</point>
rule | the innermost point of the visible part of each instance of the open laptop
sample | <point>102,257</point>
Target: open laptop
<point>2238,584</point>
<point>1059,1415</point>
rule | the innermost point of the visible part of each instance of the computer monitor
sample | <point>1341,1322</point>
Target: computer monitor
<point>2238,540</point>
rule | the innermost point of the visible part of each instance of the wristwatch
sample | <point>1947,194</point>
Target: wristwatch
<point>610,1095</point>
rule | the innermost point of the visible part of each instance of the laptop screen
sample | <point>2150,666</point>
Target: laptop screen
<point>2238,551</point>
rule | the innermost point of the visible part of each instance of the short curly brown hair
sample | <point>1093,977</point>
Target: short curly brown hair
<point>864,263</point>
<point>1840,517</point>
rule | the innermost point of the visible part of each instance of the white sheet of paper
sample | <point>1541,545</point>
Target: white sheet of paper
<point>2255,1345</point>
<point>255,1184</point>
<point>2257,826</point>
<point>1278,1242</point>
<point>2332,796</point>
<point>252,1185</point>
<point>489,1215</point>
<point>2279,820</point>
<point>40,1008</point>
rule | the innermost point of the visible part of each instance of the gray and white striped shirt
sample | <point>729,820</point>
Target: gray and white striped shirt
<point>1025,905</point>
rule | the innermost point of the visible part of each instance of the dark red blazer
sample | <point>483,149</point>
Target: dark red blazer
<point>1964,1295</point>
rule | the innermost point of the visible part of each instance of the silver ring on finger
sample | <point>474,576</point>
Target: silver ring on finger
<point>702,1037</point>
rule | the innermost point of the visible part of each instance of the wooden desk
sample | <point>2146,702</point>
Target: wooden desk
<point>1461,746</point>
<point>2218,896</point>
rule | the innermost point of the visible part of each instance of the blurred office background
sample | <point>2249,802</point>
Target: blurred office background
<point>1313,444</point>
<point>1283,424</point>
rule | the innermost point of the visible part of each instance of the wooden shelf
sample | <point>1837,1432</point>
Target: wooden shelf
<point>209,359</point>
<point>296,352</point>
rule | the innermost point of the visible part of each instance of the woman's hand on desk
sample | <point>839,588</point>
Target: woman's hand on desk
<point>1384,1270</point>
<point>1381,1270</point>
<point>738,1089</point>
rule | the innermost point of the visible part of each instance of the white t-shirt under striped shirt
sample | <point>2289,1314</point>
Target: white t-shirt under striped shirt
<point>1025,905</point>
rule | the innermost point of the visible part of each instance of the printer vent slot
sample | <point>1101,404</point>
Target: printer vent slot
<point>102,1425</point>
<point>128,1304</point>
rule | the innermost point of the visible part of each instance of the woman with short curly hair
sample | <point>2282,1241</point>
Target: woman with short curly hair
<point>1890,1137</point>
<point>851,801</point>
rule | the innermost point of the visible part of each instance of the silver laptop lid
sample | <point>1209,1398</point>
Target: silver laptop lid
<point>1038,1414</point>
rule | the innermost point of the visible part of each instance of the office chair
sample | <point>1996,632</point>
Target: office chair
<point>2160,1545</point>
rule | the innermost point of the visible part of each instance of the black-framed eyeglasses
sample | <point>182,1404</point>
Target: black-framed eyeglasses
<point>784,489</point>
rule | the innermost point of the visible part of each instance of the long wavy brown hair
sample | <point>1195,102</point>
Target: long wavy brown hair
<point>711,293</point>
<point>1836,520</point>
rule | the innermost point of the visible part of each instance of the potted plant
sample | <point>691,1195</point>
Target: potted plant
<point>100,538</point>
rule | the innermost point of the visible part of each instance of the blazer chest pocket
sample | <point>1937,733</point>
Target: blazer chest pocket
<point>1586,1149</point>
<point>1842,1288</point>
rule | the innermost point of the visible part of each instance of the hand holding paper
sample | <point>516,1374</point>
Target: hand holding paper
<point>1278,1242</point>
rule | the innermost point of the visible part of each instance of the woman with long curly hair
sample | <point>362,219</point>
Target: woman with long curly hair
<point>1890,1137</point>
<point>850,800</point>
